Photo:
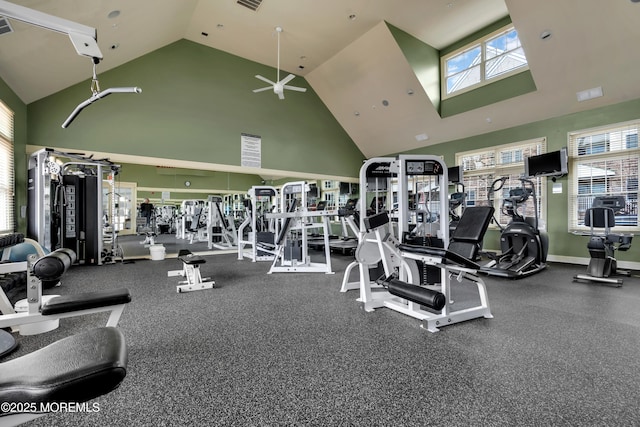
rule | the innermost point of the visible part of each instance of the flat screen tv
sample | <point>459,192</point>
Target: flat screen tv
<point>555,163</point>
<point>453,173</point>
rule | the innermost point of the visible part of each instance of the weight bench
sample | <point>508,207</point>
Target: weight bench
<point>70,371</point>
<point>191,271</point>
<point>47,313</point>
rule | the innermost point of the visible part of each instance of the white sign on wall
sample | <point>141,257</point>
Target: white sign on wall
<point>251,150</point>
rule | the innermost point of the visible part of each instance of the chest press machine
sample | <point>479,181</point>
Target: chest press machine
<point>402,289</point>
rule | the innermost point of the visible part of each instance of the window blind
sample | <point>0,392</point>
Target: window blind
<point>7,194</point>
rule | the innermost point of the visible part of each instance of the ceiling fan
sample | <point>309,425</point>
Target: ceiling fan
<point>279,86</point>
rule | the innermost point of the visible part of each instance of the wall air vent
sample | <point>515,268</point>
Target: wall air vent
<point>251,4</point>
<point>5,27</point>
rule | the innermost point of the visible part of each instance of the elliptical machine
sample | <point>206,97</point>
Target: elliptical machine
<point>523,246</point>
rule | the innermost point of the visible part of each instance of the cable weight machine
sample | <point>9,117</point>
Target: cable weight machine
<point>65,205</point>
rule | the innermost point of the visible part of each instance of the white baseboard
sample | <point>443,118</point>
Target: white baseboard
<point>626,265</point>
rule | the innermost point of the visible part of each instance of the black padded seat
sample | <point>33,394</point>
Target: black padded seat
<point>85,301</point>
<point>74,369</point>
<point>447,256</point>
<point>192,259</point>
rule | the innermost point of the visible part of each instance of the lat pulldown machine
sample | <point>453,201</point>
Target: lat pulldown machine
<point>65,205</point>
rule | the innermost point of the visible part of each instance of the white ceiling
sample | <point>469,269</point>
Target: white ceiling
<point>353,64</point>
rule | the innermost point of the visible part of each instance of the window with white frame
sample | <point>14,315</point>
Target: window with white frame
<point>7,196</point>
<point>604,162</point>
<point>494,56</point>
<point>482,167</point>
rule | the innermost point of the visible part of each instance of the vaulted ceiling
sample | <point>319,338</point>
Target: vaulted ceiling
<point>349,57</point>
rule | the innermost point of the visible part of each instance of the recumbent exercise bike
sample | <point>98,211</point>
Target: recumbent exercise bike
<point>602,247</point>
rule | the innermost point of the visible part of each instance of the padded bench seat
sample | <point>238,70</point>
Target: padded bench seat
<point>75,369</point>
<point>192,259</point>
<point>85,301</point>
<point>448,256</point>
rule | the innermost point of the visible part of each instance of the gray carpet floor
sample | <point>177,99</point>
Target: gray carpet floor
<point>290,349</point>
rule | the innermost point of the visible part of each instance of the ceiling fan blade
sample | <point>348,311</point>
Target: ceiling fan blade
<point>297,89</point>
<point>262,89</point>
<point>287,79</point>
<point>264,79</point>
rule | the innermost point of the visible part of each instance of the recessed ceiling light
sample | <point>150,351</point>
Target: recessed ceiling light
<point>356,113</point>
<point>409,92</point>
<point>220,26</point>
<point>546,34</point>
<point>385,102</point>
<point>113,14</point>
<point>422,137</point>
<point>352,17</point>
<point>205,34</point>
<point>115,46</point>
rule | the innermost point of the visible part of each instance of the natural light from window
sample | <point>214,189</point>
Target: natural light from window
<point>496,55</point>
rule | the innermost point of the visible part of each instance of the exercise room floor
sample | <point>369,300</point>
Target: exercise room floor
<point>290,349</point>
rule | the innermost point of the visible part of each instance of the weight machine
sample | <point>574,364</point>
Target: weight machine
<point>221,229</point>
<point>65,205</point>
<point>418,269</point>
<point>291,244</point>
<point>256,234</point>
<point>190,224</point>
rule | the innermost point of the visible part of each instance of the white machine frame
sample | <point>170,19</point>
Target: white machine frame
<point>12,319</point>
<point>259,198</point>
<point>194,280</point>
<point>379,244</point>
<point>227,236</point>
<point>303,221</point>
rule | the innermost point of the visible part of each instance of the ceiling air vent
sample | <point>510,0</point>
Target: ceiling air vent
<point>251,4</point>
<point>5,27</point>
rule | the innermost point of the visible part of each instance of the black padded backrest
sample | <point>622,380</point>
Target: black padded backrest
<point>473,224</point>
<point>600,217</point>
<point>374,221</point>
<point>75,369</point>
<point>470,230</point>
<point>287,222</point>
<point>195,219</point>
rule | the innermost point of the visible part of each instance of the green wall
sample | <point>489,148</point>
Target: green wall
<point>192,108</point>
<point>423,59</point>
<point>561,242</point>
<point>195,104</point>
